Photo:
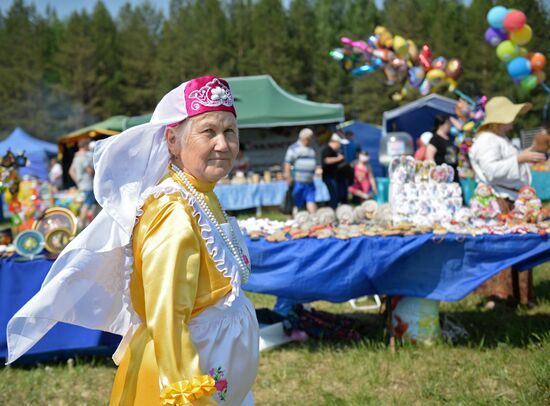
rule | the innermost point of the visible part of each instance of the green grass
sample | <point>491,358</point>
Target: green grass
<point>505,360</point>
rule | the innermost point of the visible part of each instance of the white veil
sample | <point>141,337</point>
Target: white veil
<point>86,283</point>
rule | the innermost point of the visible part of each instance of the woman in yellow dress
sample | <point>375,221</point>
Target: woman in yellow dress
<point>163,263</point>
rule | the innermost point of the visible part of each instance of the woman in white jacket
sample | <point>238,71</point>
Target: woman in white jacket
<point>497,162</point>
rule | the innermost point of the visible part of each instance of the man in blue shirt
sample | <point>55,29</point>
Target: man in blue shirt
<point>300,164</point>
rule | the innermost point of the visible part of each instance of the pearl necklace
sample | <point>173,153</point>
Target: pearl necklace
<point>231,243</point>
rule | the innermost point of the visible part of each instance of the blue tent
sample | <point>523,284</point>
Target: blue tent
<point>417,116</point>
<point>36,150</point>
<point>367,137</point>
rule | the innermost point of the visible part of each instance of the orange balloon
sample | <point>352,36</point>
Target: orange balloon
<point>538,61</point>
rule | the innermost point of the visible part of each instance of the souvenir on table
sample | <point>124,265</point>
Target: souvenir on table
<point>423,170</point>
<point>29,244</point>
<point>527,207</point>
<point>344,214</point>
<point>56,217</point>
<point>57,239</point>
<point>484,204</point>
<point>326,215</point>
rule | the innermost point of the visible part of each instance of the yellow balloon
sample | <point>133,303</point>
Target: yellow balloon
<point>380,30</point>
<point>523,36</point>
<point>452,84</point>
<point>435,74</point>
<point>400,46</point>
<point>469,126</point>
<point>413,50</point>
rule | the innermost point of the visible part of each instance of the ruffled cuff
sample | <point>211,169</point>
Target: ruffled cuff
<point>185,392</point>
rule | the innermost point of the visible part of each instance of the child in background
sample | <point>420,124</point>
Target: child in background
<point>364,184</point>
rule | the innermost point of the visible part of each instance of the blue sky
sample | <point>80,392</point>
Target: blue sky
<point>66,7</point>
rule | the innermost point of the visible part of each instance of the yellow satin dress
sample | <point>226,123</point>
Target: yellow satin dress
<point>174,279</point>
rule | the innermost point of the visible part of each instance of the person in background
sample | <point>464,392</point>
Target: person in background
<point>498,163</point>
<point>242,163</point>
<point>364,184</point>
<point>55,176</point>
<point>299,169</point>
<point>82,173</point>
<point>423,142</point>
<point>441,148</point>
<point>332,161</point>
<point>350,149</point>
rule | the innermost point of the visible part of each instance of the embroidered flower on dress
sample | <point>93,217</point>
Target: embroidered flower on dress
<point>220,384</point>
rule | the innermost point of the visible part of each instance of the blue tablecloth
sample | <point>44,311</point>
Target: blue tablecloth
<point>423,266</point>
<point>248,196</point>
<point>19,281</point>
<point>309,269</point>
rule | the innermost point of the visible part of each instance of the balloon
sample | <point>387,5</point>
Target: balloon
<point>528,83</point>
<point>506,51</point>
<point>538,61</point>
<point>337,54</point>
<point>363,70</point>
<point>379,30</point>
<point>439,63</point>
<point>541,76</point>
<point>400,46</point>
<point>435,74</point>
<point>514,21</point>
<point>494,36</point>
<point>425,88</point>
<point>382,53</point>
<point>519,67</point>
<point>373,41</point>
<point>416,76</point>
<point>425,57</point>
<point>454,68</point>
<point>413,50</point>
<point>496,15</point>
<point>377,62</point>
<point>346,41</point>
<point>522,36</point>
<point>451,83</point>
<point>347,65</point>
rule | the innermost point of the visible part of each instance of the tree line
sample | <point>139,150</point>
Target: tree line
<point>57,75</point>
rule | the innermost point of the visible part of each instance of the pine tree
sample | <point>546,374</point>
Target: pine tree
<point>103,34</point>
<point>22,67</point>
<point>137,39</point>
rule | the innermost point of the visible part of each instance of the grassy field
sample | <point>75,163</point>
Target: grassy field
<point>505,360</point>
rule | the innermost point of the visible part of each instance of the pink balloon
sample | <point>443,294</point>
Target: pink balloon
<point>514,21</point>
<point>346,41</point>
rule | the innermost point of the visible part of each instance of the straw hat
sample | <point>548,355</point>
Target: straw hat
<point>500,110</point>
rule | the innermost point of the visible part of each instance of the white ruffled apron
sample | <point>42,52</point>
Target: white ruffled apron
<point>227,340</point>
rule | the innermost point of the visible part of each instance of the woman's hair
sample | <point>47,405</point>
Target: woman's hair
<point>491,127</point>
<point>439,120</point>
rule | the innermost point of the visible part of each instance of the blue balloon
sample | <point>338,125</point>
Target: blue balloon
<point>363,70</point>
<point>519,67</point>
<point>495,16</point>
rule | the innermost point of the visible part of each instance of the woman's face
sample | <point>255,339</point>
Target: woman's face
<point>209,147</point>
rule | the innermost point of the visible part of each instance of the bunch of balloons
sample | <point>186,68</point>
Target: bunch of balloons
<point>508,32</point>
<point>400,60</point>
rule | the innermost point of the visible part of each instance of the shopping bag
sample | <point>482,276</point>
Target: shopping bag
<point>287,203</point>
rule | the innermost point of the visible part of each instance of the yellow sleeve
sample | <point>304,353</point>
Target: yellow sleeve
<point>170,270</point>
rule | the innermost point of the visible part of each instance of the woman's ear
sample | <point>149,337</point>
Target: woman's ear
<point>171,138</point>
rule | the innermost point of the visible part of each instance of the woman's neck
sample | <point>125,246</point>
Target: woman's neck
<point>442,134</point>
<point>201,186</point>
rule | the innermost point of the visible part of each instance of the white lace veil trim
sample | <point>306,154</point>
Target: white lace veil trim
<point>86,283</point>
